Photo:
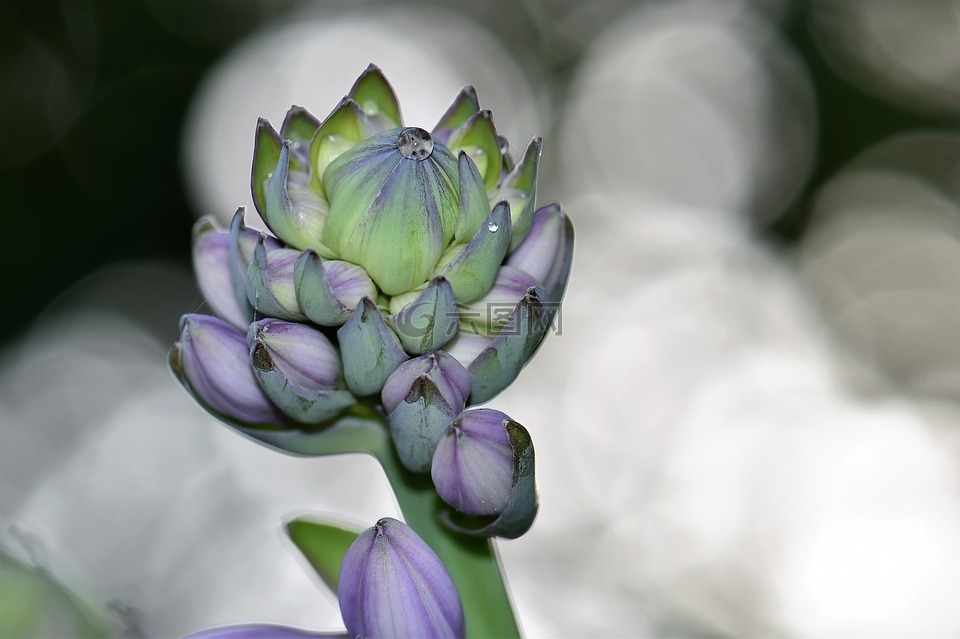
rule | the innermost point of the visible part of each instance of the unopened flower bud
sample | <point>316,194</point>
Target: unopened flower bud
<point>392,584</point>
<point>394,200</point>
<point>211,359</point>
<point>484,466</point>
<point>547,251</point>
<point>421,399</point>
<point>369,349</point>
<point>299,369</point>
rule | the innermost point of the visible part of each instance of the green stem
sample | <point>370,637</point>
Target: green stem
<point>472,562</point>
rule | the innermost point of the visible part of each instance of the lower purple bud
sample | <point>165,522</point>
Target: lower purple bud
<point>393,585</point>
<point>474,461</point>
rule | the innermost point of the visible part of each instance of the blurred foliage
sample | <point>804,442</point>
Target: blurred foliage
<point>34,606</point>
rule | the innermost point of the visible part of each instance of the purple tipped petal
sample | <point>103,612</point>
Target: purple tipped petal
<point>393,585</point>
<point>211,262</point>
<point>215,363</point>
<point>473,465</point>
<point>259,631</point>
<point>547,251</point>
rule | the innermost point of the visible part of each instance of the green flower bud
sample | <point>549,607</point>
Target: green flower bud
<point>394,205</point>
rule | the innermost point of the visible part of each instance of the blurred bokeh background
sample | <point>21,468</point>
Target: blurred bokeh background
<point>750,424</point>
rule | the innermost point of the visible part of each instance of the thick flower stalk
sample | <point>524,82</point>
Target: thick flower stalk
<point>408,274</point>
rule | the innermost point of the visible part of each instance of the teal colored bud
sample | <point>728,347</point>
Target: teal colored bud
<point>421,398</point>
<point>270,282</point>
<point>211,263</point>
<point>498,365</point>
<point>429,321</point>
<point>298,369</point>
<point>329,290</point>
<point>484,467</point>
<point>294,211</point>
<point>472,268</point>
<point>474,207</point>
<point>369,349</point>
<point>547,251</point>
<point>393,207</point>
<point>519,189</point>
<point>393,585</point>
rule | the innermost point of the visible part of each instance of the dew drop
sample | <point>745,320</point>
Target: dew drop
<point>492,227</point>
<point>415,144</point>
<point>269,175</point>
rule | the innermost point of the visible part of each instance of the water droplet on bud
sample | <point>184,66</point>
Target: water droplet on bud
<point>492,227</point>
<point>415,144</point>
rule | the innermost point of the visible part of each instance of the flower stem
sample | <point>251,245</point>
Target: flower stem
<point>471,561</point>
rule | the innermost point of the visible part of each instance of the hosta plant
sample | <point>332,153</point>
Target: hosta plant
<point>408,275</point>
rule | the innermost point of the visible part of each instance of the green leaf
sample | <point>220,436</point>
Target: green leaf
<point>323,544</point>
<point>34,606</point>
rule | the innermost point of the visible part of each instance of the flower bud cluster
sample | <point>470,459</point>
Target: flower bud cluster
<point>403,267</point>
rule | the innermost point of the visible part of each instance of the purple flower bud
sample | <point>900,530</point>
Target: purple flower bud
<point>393,585</point>
<point>473,465</point>
<point>328,291</point>
<point>211,261</point>
<point>214,363</point>
<point>547,251</point>
<point>270,282</point>
<point>493,310</point>
<point>299,369</point>
<point>484,466</point>
<point>421,399</point>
